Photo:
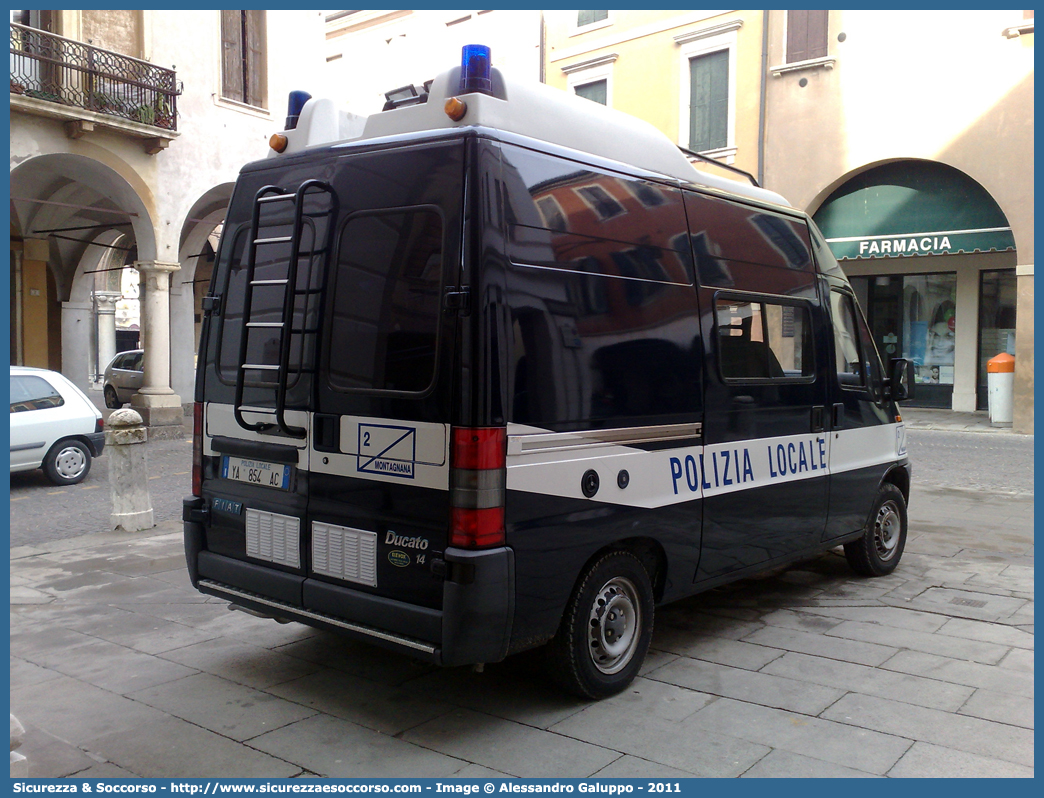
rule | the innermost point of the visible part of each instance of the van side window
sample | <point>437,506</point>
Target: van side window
<point>849,363</point>
<point>386,300</point>
<point>764,340</point>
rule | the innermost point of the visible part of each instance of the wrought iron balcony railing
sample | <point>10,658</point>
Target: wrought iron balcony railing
<point>59,70</point>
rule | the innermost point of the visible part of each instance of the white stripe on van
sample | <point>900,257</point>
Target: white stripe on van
<point>670,476</point>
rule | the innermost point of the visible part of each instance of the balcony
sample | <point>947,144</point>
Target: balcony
<point>88,87</point>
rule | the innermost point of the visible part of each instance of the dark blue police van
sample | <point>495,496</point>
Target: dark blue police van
<point>497,368</point>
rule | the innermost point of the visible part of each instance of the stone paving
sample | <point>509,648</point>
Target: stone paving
<point>119,668</point>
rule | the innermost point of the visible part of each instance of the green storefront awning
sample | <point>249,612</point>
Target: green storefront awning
<point>912,208</point>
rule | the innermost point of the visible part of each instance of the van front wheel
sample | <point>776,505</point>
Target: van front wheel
<point>606,628</point>
<point>878,551</point>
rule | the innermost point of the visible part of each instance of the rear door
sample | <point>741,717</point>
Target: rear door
<point>378,501</point>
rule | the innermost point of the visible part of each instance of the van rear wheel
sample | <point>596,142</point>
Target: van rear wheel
<point>879,550</point>
<point>606,629</point>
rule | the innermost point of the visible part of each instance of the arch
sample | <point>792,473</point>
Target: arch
<point>79,206</point>
<point>203,217</point>
<point>89,191</point>
<point>911,207</point>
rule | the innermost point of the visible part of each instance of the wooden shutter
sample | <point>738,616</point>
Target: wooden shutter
<point>590,17</point>
<point>254,67</point>
<point>232,55</point>
<point>709,101</point>
<point>597,92</point>
<point>806,35</point>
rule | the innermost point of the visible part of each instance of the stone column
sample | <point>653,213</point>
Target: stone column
<point>106,312</point>
<point>159,406</point>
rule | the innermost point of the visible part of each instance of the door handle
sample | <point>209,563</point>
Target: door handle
<point>837,415</point>
<point>818,416</point>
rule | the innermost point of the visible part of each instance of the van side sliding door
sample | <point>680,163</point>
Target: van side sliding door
<point>764,469</point>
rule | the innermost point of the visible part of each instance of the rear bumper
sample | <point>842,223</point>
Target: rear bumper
<point>96,440</point>
<point>473,626</point>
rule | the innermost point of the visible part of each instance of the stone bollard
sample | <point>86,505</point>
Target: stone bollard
<point>19,764</point>
<point>128,477</point>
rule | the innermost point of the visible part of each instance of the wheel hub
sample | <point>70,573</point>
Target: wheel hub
<point>615,625</point>
<point>70,462</point>
<point>887,527</point>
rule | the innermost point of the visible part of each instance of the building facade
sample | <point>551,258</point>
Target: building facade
<point>127,131</point>
<point>908,135</point>
<point>695,75</point>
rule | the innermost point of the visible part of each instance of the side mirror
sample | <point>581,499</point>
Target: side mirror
<point>901,383</point>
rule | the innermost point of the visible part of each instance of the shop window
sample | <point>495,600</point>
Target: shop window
<point>806,35</point>
<point>763,340</point>
<point>997,296</point>
<point>914,316</point>
<point>243,57</point>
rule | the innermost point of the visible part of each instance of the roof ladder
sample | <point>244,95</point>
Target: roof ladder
<point>261,237</point>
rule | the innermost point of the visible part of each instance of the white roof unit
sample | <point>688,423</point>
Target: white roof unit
<point>526,108</point>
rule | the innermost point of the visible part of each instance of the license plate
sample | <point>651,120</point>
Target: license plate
<point>256,472</point>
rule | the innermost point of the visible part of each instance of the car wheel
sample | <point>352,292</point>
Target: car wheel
<point>880,548</point>
<point>112,399</point>
<point>606,628</point>
<point>67,463</point>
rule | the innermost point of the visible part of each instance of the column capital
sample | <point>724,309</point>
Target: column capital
<point>107,300</point>
<point>156,266</point>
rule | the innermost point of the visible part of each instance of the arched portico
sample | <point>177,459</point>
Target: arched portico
<point>198,243</point>
<point>932,257</point>
<point>71,210</point>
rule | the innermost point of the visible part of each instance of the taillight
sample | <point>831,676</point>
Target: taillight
<point>197,449</point>
<point>478,456</point>
<point>99,425</point>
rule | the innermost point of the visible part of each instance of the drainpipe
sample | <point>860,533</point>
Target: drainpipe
<point>543,48</point>
<point>761,107</point>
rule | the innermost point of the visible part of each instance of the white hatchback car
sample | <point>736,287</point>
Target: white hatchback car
<point>54,426</point>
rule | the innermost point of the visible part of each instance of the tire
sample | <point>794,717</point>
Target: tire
<point>68,462</point>
<point>606,628</point>
<point>879,550</point>
<point>112,399</point>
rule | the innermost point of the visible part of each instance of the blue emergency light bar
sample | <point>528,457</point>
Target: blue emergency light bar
<point>294,106</point>
<point>475,69</point>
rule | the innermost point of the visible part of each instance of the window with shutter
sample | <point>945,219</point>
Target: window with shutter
<point>806,35</point>
<point>709,101</point>
<point>597,91</point>
<point>590,17</point>
<point>243,56</point>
